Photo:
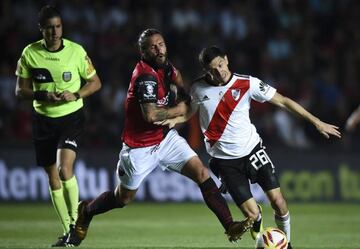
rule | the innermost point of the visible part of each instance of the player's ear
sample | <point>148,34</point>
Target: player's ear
<point>226,60</point>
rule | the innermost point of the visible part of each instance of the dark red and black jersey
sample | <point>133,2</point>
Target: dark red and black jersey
<point>147,85</point>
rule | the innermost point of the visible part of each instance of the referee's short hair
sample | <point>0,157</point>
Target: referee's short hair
<point>144,35</point>
<point>208,54</point>
<point>47,12</point>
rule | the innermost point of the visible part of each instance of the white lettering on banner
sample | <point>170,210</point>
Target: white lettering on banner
<point>39,187</point>
<point>91,182</point>
<point>4,193</point>
<point>22,184</point>
<point>170,186</point>
<point>31,183</point>
<point>17,184</point>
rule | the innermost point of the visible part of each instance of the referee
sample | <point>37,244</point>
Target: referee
<point>49,73</point>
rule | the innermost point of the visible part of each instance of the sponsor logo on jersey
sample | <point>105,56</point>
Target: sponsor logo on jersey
<point>40,77</point>
<point>163,101</point>
<point>221,96</point>
<point>263,86</point>
<point>200,99</point>
<point>52,59</point>
<point>235,93</point>
<point>205,98</point>
<point>66,76</point>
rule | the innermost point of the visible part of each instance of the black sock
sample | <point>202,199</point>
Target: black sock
<point>216,202</point>
<point>103,203</point>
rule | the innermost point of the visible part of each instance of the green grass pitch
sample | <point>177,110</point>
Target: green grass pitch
<point>189,225</point>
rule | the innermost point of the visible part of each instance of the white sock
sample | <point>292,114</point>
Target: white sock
<point>283,223</point>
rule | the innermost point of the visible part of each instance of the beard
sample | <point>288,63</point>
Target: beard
<point>159,60</point>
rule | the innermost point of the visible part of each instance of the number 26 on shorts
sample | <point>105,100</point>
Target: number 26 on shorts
<point>259,159</point>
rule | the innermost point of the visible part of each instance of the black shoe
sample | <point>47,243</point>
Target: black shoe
<point>61,241</point>
<point>289,246</point>
<point>72,240</point>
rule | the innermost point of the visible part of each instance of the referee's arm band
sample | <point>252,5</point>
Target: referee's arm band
<point>40,95</point>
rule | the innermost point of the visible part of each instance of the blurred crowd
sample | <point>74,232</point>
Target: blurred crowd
<point>308,49</point>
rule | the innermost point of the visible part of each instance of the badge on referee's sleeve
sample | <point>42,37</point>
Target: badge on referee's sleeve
<point>90,67</point>
<point>66,76</point>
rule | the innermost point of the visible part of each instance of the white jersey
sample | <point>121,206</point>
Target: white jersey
<point>224,114</point>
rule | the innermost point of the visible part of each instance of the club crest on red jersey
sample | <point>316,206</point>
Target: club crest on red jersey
<point>235,93</point>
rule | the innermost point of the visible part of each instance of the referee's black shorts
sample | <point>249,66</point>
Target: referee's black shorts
<point>50,134</point>
<point>236,173</point>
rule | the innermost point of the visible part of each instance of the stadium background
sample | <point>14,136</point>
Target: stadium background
<point>309,50</point>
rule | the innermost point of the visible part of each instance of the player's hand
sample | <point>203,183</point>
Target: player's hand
<point>53,97</point>
<point>68,96</point>
<point>327,129</point>
<point>167,122</point>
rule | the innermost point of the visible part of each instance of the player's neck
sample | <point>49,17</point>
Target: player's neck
<point>53,46</point>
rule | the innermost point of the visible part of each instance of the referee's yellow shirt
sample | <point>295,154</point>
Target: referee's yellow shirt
<point>55,72</point>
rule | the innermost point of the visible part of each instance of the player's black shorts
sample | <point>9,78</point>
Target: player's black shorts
<point>50,134</point>
<point>236,173</point>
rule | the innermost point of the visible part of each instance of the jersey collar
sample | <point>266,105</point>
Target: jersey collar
<point>59,49</point>
<point>207,80</point>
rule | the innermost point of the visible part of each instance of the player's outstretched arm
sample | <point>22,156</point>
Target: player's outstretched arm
<point>153,113</point>
<point>324,128</point>
<point>171,122</point>
<point>353,120</point>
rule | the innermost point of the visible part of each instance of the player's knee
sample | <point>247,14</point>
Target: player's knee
<point>250,209</point>
<point>123,200</point>
<point>65,172</point>
<point>202,174</point>
<point>196,171</point>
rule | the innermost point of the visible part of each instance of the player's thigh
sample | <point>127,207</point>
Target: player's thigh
<point>135,164</point>
<point>174,153</point>
<point>260,169</point>
<point>71,130</point>
<point>233,175</point>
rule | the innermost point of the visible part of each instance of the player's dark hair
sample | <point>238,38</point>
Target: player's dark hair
<point>208,54</point>
<point>47,12</point>
<point>142,41</point>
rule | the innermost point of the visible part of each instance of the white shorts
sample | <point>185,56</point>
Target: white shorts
<point>136,163</point>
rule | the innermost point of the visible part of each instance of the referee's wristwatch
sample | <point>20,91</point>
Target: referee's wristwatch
<point>77,96</point>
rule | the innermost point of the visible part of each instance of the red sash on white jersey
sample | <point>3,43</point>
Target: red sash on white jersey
<point>224,110</point>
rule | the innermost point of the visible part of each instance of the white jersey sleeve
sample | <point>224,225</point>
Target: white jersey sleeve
<point>260,91</point>
<point>195,99</point>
